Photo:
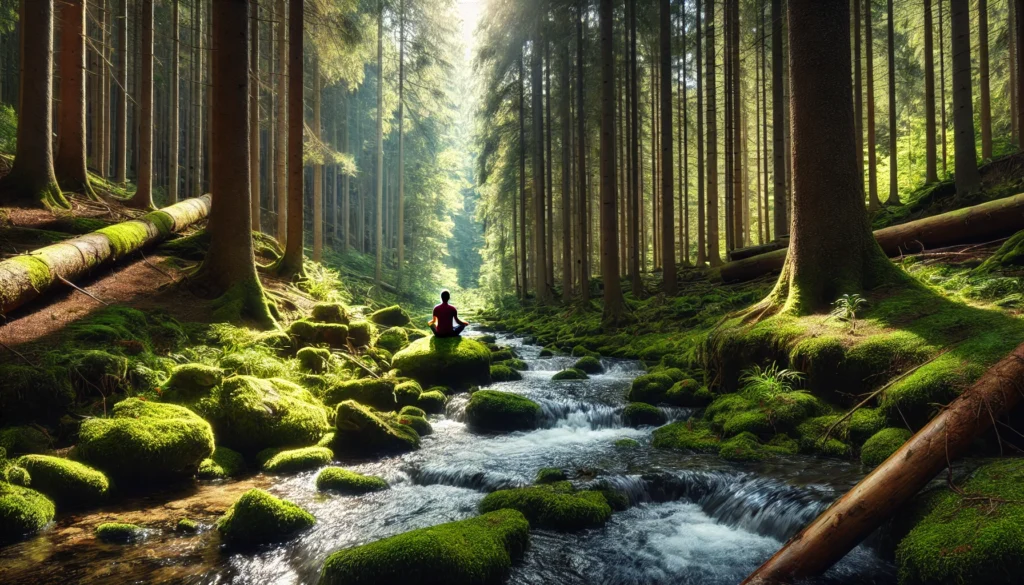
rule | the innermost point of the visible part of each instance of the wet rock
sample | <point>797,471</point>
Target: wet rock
<point>456,362</point>
<point>260,518</point>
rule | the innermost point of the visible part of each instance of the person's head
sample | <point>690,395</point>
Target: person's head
<point>445,295</point>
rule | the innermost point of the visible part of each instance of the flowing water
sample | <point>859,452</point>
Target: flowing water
<point>693,519</point>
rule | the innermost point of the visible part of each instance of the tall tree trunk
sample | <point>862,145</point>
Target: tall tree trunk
<point>727,137</point>
<point>1018,40</point>
<point>942,85</point>
<point>121,172</point>
<point>701,237</point>
<point>254,113</point>
<point>291,264</point>
<point>539,170</point>
<point>401,141</point>
<point>198,158</point>
<point>983,81</point>
<point>968,180</point>
<point>172,166</point>
<point>523,279</point>
<point>378,243</point>
<point>346,181</point>
<point>858,86</point>
<point>1011,32</point>
<point>581,161</point>
<point>32,180</point>
<point>684,122</point>
<point>143,197</point>
<point>636,213</point>
<point>712,161</point>
<point>869,48</point>
<point>931,163</point>
<point>894,187</point>
<point>318,169</point>
<point>566,119</point>
<point>614,305</point>
<point>102,129</point>
<point>230,266</point>
<point>281,133</point>
<point>764,124</point>
<point>738,188</point>
<point>549,221</point>
<point>668,242</point>
<point>70,165</point>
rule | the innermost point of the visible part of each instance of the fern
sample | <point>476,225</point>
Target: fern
<point>762,384</point>
<point>846,308</point>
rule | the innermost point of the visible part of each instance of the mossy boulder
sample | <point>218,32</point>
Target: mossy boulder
<point>360,333</point>
<point>686,435</point>
<point>689,393</point>
<point>973,537</point>
<point>501,354</point>
<point>362,430</point>
<point>650,388</point>
<point>581,351</point>
<point>376,392</point>
<point>503,373</point>
<point>413,411</point>
<point>69,484</point>
<point>569,374</point>
<point>393,316</point>
<point>638,414</point>
<point>515,364</point>
<point>330,313</point>
<point>883,444</point>
<point>189,381</point>
<point>456,362</point>
<point>24,440</point>
<point>748,447</point>
<point>407,393</point>
<point>33,394</point>
<point>546,352</point>
<point>432,402</point>
<point>251,414</point>
<point>15,475</point>
<point>490,410</point>
<point>863,424</point>
<point>814,436</point>
<point>589,364</point>
<point>145,442</point>
<point>224,463</point>
<point>549,475</point>
<point>418,423</point>
<point>186,526</point>
<point>23,512</point>
<point>555,506</point>
<point>258,518</point>
<point>119,532</point>
<point>476,551</point>
<point>393,339</point>
<point>97,368</point>
<point>348,482</point>
<point>314,359</point>
<point>296,460</point>
<point>627,443</point>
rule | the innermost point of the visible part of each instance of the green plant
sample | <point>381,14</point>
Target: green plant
<point>762,384</point>
<point>846,308</point>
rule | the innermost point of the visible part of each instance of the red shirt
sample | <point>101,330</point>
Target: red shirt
<point>445,315</point>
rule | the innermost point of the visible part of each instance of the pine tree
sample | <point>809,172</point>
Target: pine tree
<point>968,181</point>
<point>70,166</point>
<point>614,305</point>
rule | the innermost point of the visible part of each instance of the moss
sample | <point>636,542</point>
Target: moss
<point>581,351</point>
<point>747,447</point>
<point>626,443</point>
<point>96,368</point>
<point>15,475</point>
<point>432,402</point>
<point>917,397</point>
<point>295,460</point>
<point>638,414</point>
<point>393,339</point>
<point>33,394</point>
<point>330,313</point>
<point>379,393</point>
<point>689,393</point>
<point>250,414</point>
<point>186,526</point>
<point>569,374</point>
<point>192,381</point>
<point>68,483</point>
<point>552,507</point>
<point>1010,255</point>
<point>361,430</point>
<point>549,475</point>
<point>360,333</point>
<point>589,364</point>
<point>224,463</point>
<point>418,423</point>
<point>348,482</point>
<point>118,532</point>
<point>490,410</point>
<point>546,352</point>
<point>501,354</point>
<point>407,393</point>
<point>23,440</point>
<point>314,359</point>
<point>145,442</point>
<point>883,444</point>
<point>502,373</point>
<point>23,512</point>
<point>245,300</point>
<point>811,433</point>
<point>476,551</point>
<point>457,362</point>
<point>686,435</point>
<point>259,518</point>
<point>515,364</point>
<point>864,423</point>
<point>254,361</point>
<point>393,316</point>
<point>650,388</point>
<point>125,237</point>
<point>413,411</point>
<point>976,537</point>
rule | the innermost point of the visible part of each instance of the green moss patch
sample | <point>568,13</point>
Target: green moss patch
<point>379,393</point>
<point>407,393</point>
<point>360,333</point>
<point>393,316</point>
<point>418,423</point>
<point>68,483</point>
<point>503,373</point>
<point>362,430</point>
<point>190,381</point>
<point>224,463</point>
<point>432,402</point>
<point>569,374</point>
<point>314,359</point>
<point>549,475</point>
<point>393,339</point>
<point>650,388</point>
<point>552,506</point>
<point>330,313</point>
<point>119,532</point>
<point>24,440</point>
<point>296,460</point>
<point>33,394</point>
<point>589,364</point>
<point>689,393</point>
<point>638,414</point>
<point>490,410</point>
<point>686,435</point>
<point>456,362</point>
<point>23,512</point>
<point>883,444</point>
<point>259,518</point>
<point>348,482</point>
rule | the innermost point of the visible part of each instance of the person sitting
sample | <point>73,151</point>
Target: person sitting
<point>446,322</point>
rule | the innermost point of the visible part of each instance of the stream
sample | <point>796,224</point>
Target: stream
<point>693,519</point>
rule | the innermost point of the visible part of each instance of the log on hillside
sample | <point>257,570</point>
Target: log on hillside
<point>751,251</point>
<point>886,489</point>
<point>26,277</point>
<point>987,221</point>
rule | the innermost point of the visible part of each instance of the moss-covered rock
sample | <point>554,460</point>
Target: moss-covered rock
<point>361,430</point>
<point>186,526</point>
<point>348,482</point>
<point>814,436</point>
<point>650,388</point>
<point>15,475</point>
<point>97,368</point>
<point>686,435</point>
<point>476,551</point>
<point>747,447</point>
<point>549,475</point>
<point>23,512</point>
<point>432,402</point>
<point>418,423</point>
<point>569,374</point>
<point>589,364</point>
<point>145,442</point>
<point>490,410</point>
<point>503,373</point>
<point>224,463</point>
<point>413,411</point>
<point>393,316</point>
<point>330,313</point>
<point>626,443</point>
<point>68,483</point>
<point>296,460</point>
<point>250,414</point>
<point>883,444</point>
<point>190,381</point>
<point>24,440</point>
<point>456,362</point>
<point>546,352</point>
<point>864,423</point>
<point>501,354</point>
<point>553,506</point>
<point>259,518</point>
<point>33,394</point>
<point>638,414</point>
<point>393,339</point>
<point>515,364</point>
<point>581,351</point>
<point>407,393</point>
<point>689,393</point>
<point>119,532</point>
<point>314,359</point>
<point>376,392</point>
<point>973,537</point>
<point>360,333</point>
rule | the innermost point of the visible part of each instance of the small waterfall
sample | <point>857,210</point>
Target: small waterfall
<point>574,414</point>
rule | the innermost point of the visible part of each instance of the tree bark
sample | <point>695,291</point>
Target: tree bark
<point>172,187</point>
<point>614,305</point>
<point>894,187</point>
<point>318,169</point>
<point>635,210</point>
<point>539,187</point>
<point>143,197</point>
<point>738,187</point>
<point>32,180</point>
<point>291,264</point>
<point>281,132</point>
<point>701,236</point>
<point>254,114</point>
<point>401,142</point>
<point>983,81</point>
<point>197,97</point>
<point>858,85</point>
<point>968,180</point>
<point>668,242</point>
<point>70,165</point>
<point>581,159</point>
<point>378,242</point>
<point>523,278</point>
<point>886,489</point>
<point>931,164</point>
<point>714,257</point>
<point>942,86</point>
<point>346,181</point>
<point>1018,38</point>
<point>869,48</point>
<point>566,119</point>
<point>549,221</point>
<point>121,172</point>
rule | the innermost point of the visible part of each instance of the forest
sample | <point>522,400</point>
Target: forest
<point>511,291</point>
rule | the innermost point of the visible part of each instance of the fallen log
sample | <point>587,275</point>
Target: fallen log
<point>984,222</point>
<point>26,277</point>
<point>878,496</point>
<point>751,251</point>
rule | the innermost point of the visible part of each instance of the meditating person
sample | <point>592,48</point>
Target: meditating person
<point>446,322</point>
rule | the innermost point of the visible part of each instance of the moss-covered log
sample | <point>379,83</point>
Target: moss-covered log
<point>988,221</point>
<point>25,278</point>
<point>885,490</point>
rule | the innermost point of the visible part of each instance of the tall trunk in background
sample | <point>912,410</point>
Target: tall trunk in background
<point>983,81</point>
<point>281,132</point>
<point>873,201</point>
<point>668,242</point>
<point>522,178</point>
<point>254,113</point>
<point>1011,26</point>
<point>197,96</point>
<point>894,188</point>
<point>738,187</point>
<point>401,140</point>
<point>764,123</point>
<point>712,161</point>
<point>539,170</point>
<point>701,237</point>
<point>172,165</point>
<point>346,181</point>
<point>858,87</point>
<point>318,168</point>
<point>378,242</point>
<point>581,160</point>
<point>550,219</point>
<point>942,85</point>
<point>684,122</point>
<point>70,165</point>
<point>968,180</point>
<point>563,112</point>
<point>614,305</point>
<point>143,197</point>
<point>1018,39</point>
<point>229,268</point>
<point>290,264</point>
<point>727,136</point>
<point>931,164</point>
<point>32,179</point>
<point>121,170</point>
<point>634,163</point>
